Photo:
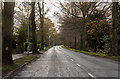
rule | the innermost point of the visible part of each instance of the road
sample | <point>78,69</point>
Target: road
<point>59,62</point>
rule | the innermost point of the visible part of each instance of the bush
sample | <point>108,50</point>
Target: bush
<point>107,44</point>
<point>39,41</point>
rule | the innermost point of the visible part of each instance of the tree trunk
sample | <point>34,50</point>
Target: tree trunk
<point>75,41</point>
<point>70,43</point>
<point>7,29</point>
<point>84,35</point>
<point>114,28</point>
<point>33,28</point>
<point>81,41</point>
<point>41,11</point>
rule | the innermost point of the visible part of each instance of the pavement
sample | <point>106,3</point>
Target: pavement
<point>60,62</point>
<point>17,56</point>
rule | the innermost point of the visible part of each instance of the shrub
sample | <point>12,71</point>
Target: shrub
<point>107,44</point>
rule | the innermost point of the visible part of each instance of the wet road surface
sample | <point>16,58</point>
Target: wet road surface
<point>60,62</point>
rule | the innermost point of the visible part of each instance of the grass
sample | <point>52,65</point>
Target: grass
<point>45,49</point>
<point>23,60</point>
<point>17,63</point>
<point>116,57</point>
<point>93,53</point>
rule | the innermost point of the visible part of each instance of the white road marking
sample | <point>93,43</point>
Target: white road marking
<point>28,66</point>
<point>78,65</point>
<point>36,73</point>
<point>28,71</point>
<point>38,59</point>
<point>91,75</point>
<point>71,59</point>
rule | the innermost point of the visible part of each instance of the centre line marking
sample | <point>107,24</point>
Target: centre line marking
<point>91,75</point>
<point>28,66</point>
<point>78,65</point>
<point>71,59</point>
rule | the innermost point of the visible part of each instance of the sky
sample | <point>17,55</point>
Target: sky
<point>54,6</point>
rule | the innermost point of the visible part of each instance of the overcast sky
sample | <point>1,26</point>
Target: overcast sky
<point>54,6</point>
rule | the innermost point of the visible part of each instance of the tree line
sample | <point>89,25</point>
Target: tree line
<point>90,26</point>
<point>24,22</point>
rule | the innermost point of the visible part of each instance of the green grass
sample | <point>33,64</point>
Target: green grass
<point>116,57</point>
<point>17,63</point>
<point>7,68</point>
<point>24,59</point>
<point>92,53</point>
<point>45,49</point>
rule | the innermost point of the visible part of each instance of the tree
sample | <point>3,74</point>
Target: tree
<point>87,24</point>
<point>75,9</point>
<point>114,28</point>
<point>49,31</point>
<point>7,30</point>
<point>22,36</point>
<point>32,17</point>
<point>41,12</point>
<point>21,19</point>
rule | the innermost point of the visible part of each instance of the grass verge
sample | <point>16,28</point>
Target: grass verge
<point>93,53</point>
<point>45,49</point>
<point>17,63</point>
